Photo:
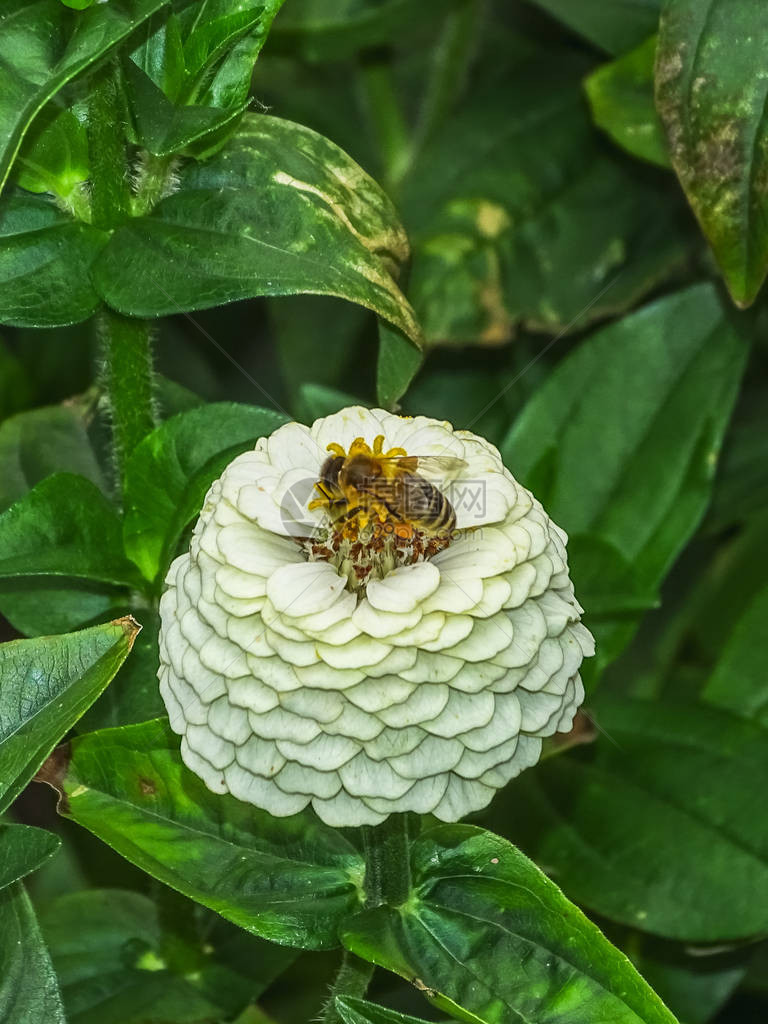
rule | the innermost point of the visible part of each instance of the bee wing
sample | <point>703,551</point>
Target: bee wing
<point>442,468</point>
<point>428,465</point>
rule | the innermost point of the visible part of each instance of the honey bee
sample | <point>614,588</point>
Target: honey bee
<point>368,483</point>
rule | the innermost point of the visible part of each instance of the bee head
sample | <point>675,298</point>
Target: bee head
<point>330,469</point>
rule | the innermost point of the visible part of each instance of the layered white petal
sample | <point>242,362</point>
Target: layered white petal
<point>426,692</point>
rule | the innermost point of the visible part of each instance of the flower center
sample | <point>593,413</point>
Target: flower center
<point>380,513</point>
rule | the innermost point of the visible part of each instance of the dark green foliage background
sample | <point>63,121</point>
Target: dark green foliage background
<point>584,186</point>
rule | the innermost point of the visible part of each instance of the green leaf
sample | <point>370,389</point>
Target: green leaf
<point>29,992</point>
<point>613,25</point>
<point>15,387</point>
<point>169,473</point>
<point>113,954</point>
<point>231,39</point>
<point>280,210</point>
<point>319,400</point>
<point>43,46</point>
<point>290,880</point>
<point>694,987</point>
<point>712,96</point>
<point>38,443</point>
<point>621,97</point>
<point>159,53</point>
<point>358,1011</point>
<point>64,527</point>
<point>24,849</point>
<point>659,815</point>
<point>740,681</point>
<point>519,214</point>
<point>162,127</point>
<point>293,321</point>
<point>44,605</point>
<point>54,157</point>
<point>46,685</point>
<point>398,363</point>
<point>45,262</point>
<point>741,487</point>
<point>489,939</point>
<point>317,30</point>
<point>634,469</point>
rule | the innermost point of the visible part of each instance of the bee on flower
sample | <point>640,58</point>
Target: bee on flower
<point>373,617</point>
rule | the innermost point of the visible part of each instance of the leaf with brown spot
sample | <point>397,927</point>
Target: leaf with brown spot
<point>712,96</point>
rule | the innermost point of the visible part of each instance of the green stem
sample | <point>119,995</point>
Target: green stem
<point>127,379</point>
<point>352,980</point>
<point>110,186</point>
<point>126,358</point>
<point>389,126</point>
<point>388,861</point>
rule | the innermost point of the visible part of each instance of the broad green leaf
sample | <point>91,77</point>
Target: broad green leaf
<point>222,45</point>
<point>319,400</point>
<point>712,94</point>
<point>45,605</point>
<point>29,992</point>
<point>608,582</point>
<point>621,97</point>
<point>740,679</point>
<point>293,321</point>
<point>634,467</point>
<point>159,53</point>
<point>278,211</point>
<point>41,442</point>
<point>64,527</point>
<point>24,849</point>
<point>694,987</point>
<point>170,471</point>
<point>15,389</point>
<point>519,214</point>
<point>741,487</point>
<point>398,363</point>
<point>737,570</point>
<point>45,686</point>
<point>358,1011</point>
<point>54,157</point>
<point>43,45</point>
<point>656,830</point>
<point>613,25</point>
<point>162,127</point>
<point>489,939</point>
<point>45,262</point>
<point>290,880</point>
<point>113,952</point>
<point>612,593</point>
<point>318,30</point>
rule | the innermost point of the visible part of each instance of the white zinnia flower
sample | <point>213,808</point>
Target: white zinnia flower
<point>311,671</point>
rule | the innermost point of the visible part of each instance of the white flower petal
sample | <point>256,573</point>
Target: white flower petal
<point>424,691</point>
<point>405,588</point>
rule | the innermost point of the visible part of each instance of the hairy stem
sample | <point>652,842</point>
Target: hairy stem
<point>352,980</point>
<point>126,358</point>
<point>127,379</point>
<point>110,186</point>
<point>388,861</point>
